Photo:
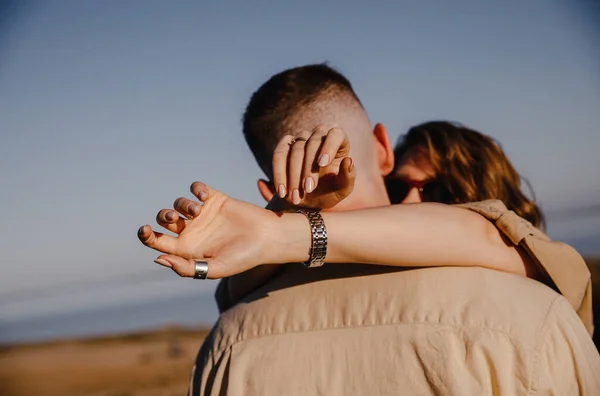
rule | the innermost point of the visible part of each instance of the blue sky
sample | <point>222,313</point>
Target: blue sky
<point>110,109</point>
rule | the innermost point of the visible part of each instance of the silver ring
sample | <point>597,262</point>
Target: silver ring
<point>201,270</point>
<point>297,139</point>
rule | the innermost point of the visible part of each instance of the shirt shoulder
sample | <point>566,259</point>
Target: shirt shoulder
<point>565,268</point>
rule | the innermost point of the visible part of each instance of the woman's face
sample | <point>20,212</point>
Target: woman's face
<point>414,180</point>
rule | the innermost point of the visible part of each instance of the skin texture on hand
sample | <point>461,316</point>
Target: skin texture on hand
<point>313,170</point>
<point>231,235</point>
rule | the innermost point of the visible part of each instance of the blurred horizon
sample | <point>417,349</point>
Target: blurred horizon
<point>109,110</point>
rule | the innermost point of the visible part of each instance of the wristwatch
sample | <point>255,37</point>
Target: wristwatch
<point>318,246</point>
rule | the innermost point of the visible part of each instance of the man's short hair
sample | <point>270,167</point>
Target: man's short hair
<point>267,116</point>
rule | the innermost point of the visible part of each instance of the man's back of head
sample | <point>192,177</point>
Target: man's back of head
<point>298,100</point>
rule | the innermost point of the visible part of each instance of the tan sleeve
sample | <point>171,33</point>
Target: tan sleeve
<point>568,361</point>
<point>565,268</point>
<point>568,271</point>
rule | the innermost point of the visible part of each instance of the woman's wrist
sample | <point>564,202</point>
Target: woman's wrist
<point>289,239</point>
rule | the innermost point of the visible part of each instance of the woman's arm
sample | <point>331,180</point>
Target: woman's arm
<point>411,235</point>
<point>236,236</point>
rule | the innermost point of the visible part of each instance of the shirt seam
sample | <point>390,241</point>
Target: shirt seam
<point>542,332</point>
<point>354,327</point>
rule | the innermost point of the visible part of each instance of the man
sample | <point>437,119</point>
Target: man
<point>365,329</point>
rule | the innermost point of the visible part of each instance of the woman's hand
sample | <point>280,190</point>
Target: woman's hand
<point>313,170</point>
<point>231,235</point>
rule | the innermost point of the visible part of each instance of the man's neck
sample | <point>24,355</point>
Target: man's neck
<point>363,197</point>
<point>364,202</point>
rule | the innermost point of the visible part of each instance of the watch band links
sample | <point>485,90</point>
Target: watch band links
<point>318,247</point>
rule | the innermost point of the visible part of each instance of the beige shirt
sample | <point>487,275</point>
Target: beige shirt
<point>369,330</point>
<point>565,269</point>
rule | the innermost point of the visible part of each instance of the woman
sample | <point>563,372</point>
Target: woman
<point>445,162</point>
<point>437,162</point>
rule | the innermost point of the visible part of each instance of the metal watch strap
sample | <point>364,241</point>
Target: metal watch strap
<point>318,246</point>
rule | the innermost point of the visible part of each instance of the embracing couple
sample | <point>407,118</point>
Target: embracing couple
<point>333,289</point>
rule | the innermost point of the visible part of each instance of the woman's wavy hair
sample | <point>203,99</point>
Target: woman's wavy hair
<point>471,165</point>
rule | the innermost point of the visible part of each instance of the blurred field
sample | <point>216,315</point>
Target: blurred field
<point>151,364</point>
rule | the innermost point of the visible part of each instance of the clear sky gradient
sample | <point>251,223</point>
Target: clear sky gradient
<point>110,109</point>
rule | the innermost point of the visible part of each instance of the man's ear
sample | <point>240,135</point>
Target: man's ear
<point>266,189</point>
<point>385,152</point>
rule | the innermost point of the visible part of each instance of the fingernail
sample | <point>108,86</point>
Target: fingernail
<point>296,197</point>
<point>169,216</point>
<point>163,262</point>
<point>351,166</point>
<point>324,160</point>
<point>281,191</point>
<point>309,184</point>
<point>193,210</point>
<point>141,229</point>
<point>203,195</point>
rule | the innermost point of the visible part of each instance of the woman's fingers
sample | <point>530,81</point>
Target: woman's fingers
<point>157,241</point>
<point>323,147</point>
<point>202,191</point>
<point>344,181</point>
<point>182,267</point>
<point>170,219</point>
<point>310,169</point>
<point>280,164</point>
<point>188,208</point>
<point>297,161</point>
<point>187,267</point>
<point>294,171</point>
<point>335,145</point>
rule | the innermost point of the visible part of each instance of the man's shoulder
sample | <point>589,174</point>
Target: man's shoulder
<point>393,325</point>
<point>312,301</point>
